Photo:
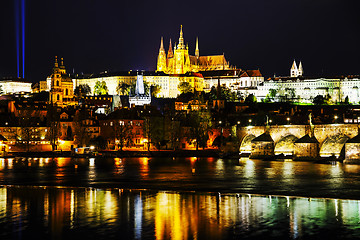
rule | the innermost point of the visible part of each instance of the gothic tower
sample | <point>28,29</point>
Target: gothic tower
<point>181,56</point>
<point>300,71</point>
<point>294,72</point>
<point>161,64</point>
<point>197,52</point>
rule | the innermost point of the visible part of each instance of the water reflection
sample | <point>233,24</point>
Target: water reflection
<point>27,212</point>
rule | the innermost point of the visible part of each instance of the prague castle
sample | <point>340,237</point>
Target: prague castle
<point>178,61</point>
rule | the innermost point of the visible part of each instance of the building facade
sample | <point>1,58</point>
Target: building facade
<point>15,85</point>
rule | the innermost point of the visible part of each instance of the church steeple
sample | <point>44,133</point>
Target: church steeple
<point>300,70</point>
<point>197,53</point>
<point>294,72</point>
<point>181,44</point>
<point>170,51</point>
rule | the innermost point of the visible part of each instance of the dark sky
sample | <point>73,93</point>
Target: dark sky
<point>98,35</point>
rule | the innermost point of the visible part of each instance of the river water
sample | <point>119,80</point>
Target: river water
<point>177,198</point>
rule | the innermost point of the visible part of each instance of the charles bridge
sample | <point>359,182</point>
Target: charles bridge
<point>331,137</point>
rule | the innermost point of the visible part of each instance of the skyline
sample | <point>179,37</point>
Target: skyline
<point>95,37</point>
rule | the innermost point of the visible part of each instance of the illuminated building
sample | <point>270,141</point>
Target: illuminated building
<point>243,82</point>
<point>62,87</point>
<point>15,85</point>
<point>305,89</point>
<point>179,61</point>
<point>168,83</point>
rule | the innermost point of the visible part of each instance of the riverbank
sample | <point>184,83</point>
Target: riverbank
<point>162,153</point>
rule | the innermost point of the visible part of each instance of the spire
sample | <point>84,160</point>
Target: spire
<point>181,39</point>
<point>170,52</point>
<point>294,72</point>
<point>197,54</point>
<point>300,71</point>
<point>56,62</point>
<point>162,45</point>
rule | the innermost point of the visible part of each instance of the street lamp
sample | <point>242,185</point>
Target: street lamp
<point>335,118</point>
<point>288,120</point>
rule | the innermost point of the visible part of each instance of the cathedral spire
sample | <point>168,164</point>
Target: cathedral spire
<point>170,51</point>
<point>300,71</point>
<point>181,39</point>
<point>161,45</point>
<point>294,72</point>
<point>197,48</point>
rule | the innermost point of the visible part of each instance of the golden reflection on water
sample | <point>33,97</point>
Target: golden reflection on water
<point>144,167</point>
<point>173,215</point>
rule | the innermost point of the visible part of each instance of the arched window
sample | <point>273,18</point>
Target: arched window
<point>57,83</point>
<point>66,91</point>
<point>57,97</point>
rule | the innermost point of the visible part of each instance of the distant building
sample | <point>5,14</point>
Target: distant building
<point>238,80</point>
<point>304,89</point>
<point>15,85</point>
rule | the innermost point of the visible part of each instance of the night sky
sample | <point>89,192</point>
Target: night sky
<point>98,35</point>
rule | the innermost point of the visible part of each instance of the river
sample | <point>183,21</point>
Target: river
<point>177,198</point>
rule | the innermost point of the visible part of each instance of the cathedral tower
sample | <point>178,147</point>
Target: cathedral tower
<point>181,57</point>
<point>161,64</point>
<point>294,72</point>
<point>300,72</point>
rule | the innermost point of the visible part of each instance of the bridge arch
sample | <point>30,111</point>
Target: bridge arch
<point>285,145</point>
<point>334,145</point>
<point>245,146</point>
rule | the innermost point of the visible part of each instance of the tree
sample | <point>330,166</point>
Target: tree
<point>154,130</point>
<point>82,90</point>
<point>273,93</point>
<point>185,87</point>
<point>319,100</point>
<point>81,133</point>
<point>100,88</point>
<point>224,94</point>
<point>250,99</point>
<point>123,134</point>
<point>28,130</point>
<point>199,126</point>
<point>53,124</point>
<point>123,88</point>
<point>155,90</point>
